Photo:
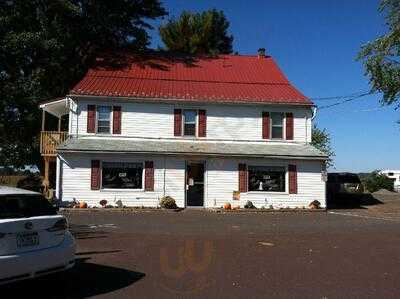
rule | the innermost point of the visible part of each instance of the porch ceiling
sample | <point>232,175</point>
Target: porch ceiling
<point>206,148</point>
<point>58,107</point>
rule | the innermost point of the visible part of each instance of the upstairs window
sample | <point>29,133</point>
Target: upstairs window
<point>116,175</point>
<point>267,178</point>
<point>277,125</point>
<point>189,122</point>
<point>104,119</point>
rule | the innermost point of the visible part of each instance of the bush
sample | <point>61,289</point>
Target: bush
<point>376,181</point>
<point>32,182</point>
<point>249,205</point>
<point>167,202</point>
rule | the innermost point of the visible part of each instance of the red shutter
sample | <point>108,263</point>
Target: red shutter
<point>178,122</point>
<point>149,176</point>
<point>292,179</point>
<point>289,126</point>
<point>95,177</point>
<point>202,123</point>
<point>242,178</point>
<point>117,120</point>
<point>91,118</point>
<point>265,125</point>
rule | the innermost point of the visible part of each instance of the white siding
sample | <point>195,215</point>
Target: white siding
<point>221,179</point>
<point>77,173</point>
<point>224,122</point>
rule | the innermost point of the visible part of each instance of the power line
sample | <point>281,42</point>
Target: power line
<point>345,101</point>
<point>340,97</point>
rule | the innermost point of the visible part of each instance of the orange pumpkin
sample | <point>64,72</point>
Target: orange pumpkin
<point>83,205</point>
<point>227,206</point>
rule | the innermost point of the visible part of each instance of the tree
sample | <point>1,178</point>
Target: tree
<point>381,57</point>
<point>376,181</point>
<point>322,141</point>
<point>46,46</point>
<point>198,33</point>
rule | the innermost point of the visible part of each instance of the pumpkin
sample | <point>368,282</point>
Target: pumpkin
<point>83,205</point>
<point>227,206</point>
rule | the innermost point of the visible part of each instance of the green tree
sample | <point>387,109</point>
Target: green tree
<point>322,141</point>
<point>376,181</point>
<point>198,33</point>
<point>381,57</point>
<point>45,48</point>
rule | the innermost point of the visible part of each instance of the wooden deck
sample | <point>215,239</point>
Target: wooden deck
<point>50,140</point>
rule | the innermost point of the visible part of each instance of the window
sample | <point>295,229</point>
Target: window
<point>267,178</point>
<point>22,206</point>
<point>103,119</point>
<point>277,125</point>
<point>189,122</point>
<point>390,174</point>
<point>116,175</point>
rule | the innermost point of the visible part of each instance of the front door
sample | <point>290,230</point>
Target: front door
<point>194,184</point>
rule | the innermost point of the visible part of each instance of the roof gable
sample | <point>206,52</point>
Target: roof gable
<point>225,78</point>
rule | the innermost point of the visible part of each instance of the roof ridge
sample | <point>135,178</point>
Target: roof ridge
<point>188,80</point>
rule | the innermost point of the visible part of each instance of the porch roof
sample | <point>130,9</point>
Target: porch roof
<point>57,107</point>
<point>190,147</point>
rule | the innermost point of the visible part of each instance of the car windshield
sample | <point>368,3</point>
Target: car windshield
<point>22,206</point>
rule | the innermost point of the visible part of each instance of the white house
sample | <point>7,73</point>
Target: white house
<point>204,130</point>
<point>395,176</point>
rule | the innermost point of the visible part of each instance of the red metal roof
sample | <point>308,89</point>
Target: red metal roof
<point>226,78</point>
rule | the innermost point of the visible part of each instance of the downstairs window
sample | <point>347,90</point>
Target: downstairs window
<point>116,175</point>
<point>267,178</point>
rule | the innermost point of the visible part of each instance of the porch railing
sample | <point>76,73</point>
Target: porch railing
<point>50,140</point>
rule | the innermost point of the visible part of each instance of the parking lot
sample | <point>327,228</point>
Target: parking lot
<point>343,253</point>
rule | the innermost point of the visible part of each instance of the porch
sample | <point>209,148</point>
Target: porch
<point>54,132</point>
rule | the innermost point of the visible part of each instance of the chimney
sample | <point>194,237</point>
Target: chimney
<point>261,53</point>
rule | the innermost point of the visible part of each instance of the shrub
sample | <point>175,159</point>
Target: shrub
<point>32,182</point>
<point>167,202</point>
<point>249,205</point>
<point>103,203</point>
<point>376,181</point>
<point>315,204</point>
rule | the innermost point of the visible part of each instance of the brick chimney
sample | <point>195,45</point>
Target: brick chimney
<point>261,53</point>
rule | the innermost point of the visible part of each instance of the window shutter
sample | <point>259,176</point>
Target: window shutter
<point>91,118</point>
<point>116,119</point>
<point>289,126</point>
<point>292,179</point>
<point>149,176</point>
<point>202,123</point>
<point>265,125</point>
<point>178,122</point>
<point>95,176</point>
<point>242,178</point>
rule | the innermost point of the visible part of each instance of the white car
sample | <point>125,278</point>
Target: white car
<point>34,240</point>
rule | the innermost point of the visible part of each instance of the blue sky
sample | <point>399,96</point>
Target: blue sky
<point>315,43</point>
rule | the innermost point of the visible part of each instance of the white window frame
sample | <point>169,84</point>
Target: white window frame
<point>283,126</point>
<point>123,189</point>
<point>196,123</point>
<point>97,120</point>
<point>286,167</point>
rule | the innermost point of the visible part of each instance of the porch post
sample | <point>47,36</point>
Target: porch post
<point>43,119</point>
<point>59,124</point>
<point>46,173</point>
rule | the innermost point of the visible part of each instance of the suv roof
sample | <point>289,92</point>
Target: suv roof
<point>6,190</point>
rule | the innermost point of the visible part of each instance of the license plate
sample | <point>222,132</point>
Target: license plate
<point>27,239</point>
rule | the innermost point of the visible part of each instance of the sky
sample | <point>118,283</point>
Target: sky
<point>316,43</point>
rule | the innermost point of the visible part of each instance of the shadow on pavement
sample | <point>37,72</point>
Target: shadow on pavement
<point>84,280</point>
<point>352,201</point>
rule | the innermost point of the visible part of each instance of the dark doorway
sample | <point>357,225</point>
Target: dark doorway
<point>194,184</point>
